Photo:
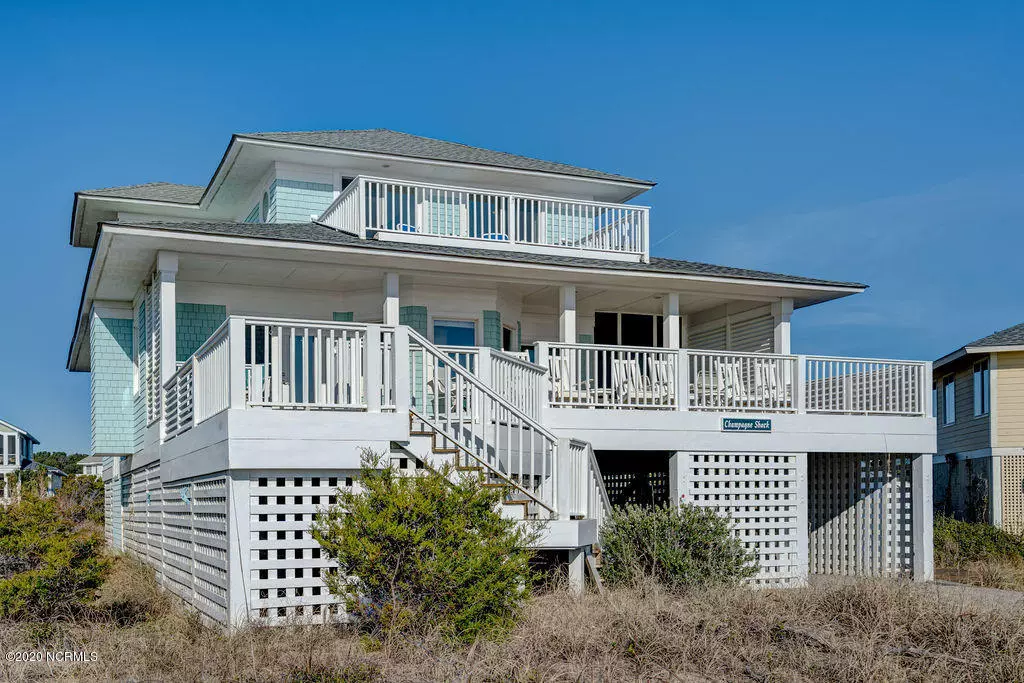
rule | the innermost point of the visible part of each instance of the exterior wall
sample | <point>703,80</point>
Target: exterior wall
<point>967,433</point>
<point>112,379</point>
<point>294,201</point>
<point>1008,404</point>
<point>734,327</point>
<point>193,325</point>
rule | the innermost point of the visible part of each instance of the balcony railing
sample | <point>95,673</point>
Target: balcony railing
<point>253,362</point>
<point>589,376</point>
<point>490,219</point>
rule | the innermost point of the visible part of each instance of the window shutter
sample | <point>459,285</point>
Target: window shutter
<point>756,335</point>
<point>711,338</point>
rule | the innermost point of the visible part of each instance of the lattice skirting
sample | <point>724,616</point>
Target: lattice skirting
<point>764,496</point>
<point>286,567</point>
<point>1013,493</point>
<point>860,514</point>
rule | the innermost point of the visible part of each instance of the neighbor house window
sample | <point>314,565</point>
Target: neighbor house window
<point>982,394</point>
<point>455,332</point>
<point>948,400</point>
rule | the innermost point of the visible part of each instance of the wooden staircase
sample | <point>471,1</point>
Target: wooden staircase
<point>429,448</point>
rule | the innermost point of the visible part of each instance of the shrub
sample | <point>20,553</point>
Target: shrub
<point>50,565</point>
<point>677,546</point>
<point>957,542</point>
<point>428,553</point>
<point>80,499</point>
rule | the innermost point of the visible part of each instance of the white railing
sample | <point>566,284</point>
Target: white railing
<point>588,497</point>
<point>312,364</point>
<point>864,385</point>
<point>729,381</point>
<point>585,375</point>
<point>518,381</point>
<point>343,213</point>
<point>469,415</point>
<point>178,401</point>
<point>466,356</point>
<point>591,376</point>
<point>488,216</point>
<point>212,375</point>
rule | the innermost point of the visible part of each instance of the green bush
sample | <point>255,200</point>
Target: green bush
<point>50,564</point>
<point>428,553</point>
<point>80,499</point>
<point>957,542</point>
<point>676,546</point>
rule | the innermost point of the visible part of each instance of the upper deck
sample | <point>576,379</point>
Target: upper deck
<point>462,216</point>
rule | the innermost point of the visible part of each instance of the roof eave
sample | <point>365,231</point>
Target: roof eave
<point>642,185</point>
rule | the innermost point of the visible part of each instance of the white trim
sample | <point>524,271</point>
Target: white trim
<point>993,416</point>
<point>994,349</point>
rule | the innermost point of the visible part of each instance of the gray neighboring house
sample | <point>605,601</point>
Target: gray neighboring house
<point>979,403</point>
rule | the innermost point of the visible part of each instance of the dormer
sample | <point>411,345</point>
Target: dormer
<point>386,185</point>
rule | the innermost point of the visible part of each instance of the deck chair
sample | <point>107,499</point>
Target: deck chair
<point>735,388</point>
<point>632,385</point>
<point>566,384</point>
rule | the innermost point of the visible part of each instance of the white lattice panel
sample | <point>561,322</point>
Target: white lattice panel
<point>287,565</point>
<point>860,514</point>
<point>760,493</point>
<point>1013,493</point>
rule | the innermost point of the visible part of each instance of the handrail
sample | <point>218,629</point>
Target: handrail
<point>484,190</point>
<point>490,393</point>
<point>498,473</point>
<point>594,478</point>
<point>525,364</point>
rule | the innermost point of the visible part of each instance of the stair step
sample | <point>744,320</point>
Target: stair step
<point>469,468</point>
<point>444,450</point>
<point>418,433</point>
<point>492,485</point>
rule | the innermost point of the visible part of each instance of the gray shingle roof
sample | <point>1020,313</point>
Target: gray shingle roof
<point>320,234</point>
<point>162,192</point>
<point>1011,336</point>
<point>383,141</point>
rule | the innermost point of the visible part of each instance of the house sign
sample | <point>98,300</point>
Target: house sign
<point>745,424</point>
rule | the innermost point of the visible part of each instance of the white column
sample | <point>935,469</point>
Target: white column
<point>567,314</point>
<point>577,570</point>
<point>782,310</point>
<point>167,271</point>
<point>390,298</point>
<point>802,523</point>
<point>670,320</point>
<point>684,331</point>
<point>678,477</point>
<point>921,514</point>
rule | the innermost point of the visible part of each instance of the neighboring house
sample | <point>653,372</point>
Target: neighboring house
<point>979,464</point>
<point>15,455</point>
<point>333,291</point>
<point>92,466</point>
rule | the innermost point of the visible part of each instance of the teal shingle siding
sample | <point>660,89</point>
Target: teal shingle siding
<point>294,201</point>
<point>584,339</point>
<point>415,317</point>
<point>111,379</point>
<point>492,329</point>
<point>194,323</point>
<point>343,317</point>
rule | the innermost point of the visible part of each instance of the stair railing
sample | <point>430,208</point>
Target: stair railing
<point>587,494</point>
<point>469,414</point>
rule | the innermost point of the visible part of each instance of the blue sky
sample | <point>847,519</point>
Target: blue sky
<point>877,142</point>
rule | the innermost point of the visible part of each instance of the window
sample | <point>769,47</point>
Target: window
<point>982,390</point>
<point>455,333</point>
<point>948,400</point>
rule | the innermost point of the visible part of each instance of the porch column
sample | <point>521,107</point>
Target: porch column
<point>670,320</point>
<point>921,517</point>
<point>684,330</point>
<point>577,570</point>
<point>781,312</point>
<point>166,273</point>
<point>678,474</point>
<point>567,314</point>
<point>390,299</point>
